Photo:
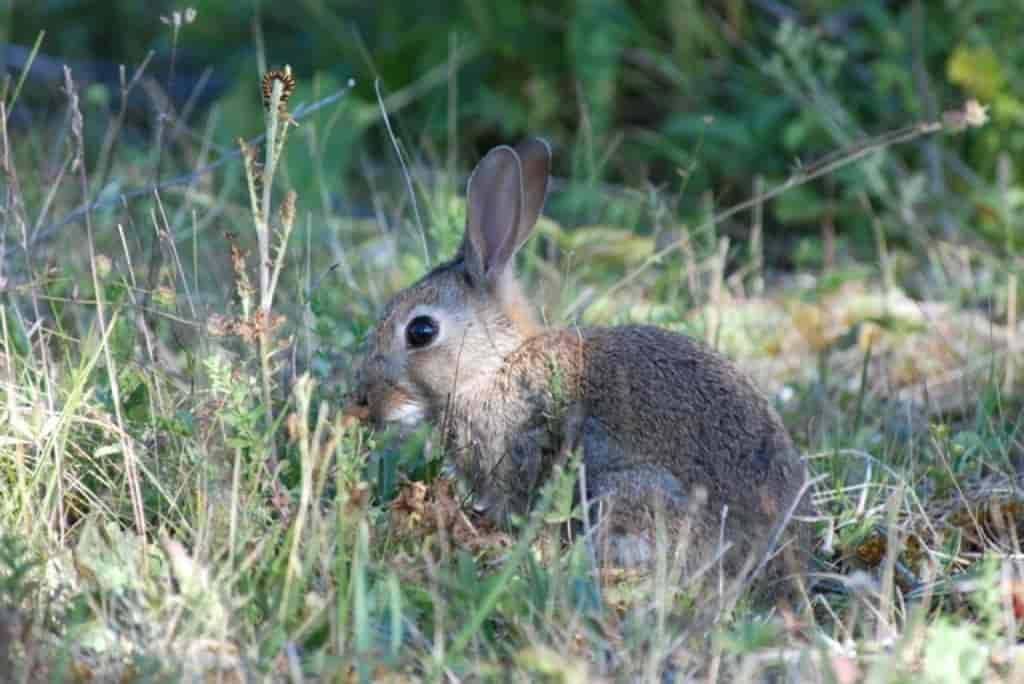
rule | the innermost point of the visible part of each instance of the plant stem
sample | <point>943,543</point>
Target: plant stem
<point>263,235</point>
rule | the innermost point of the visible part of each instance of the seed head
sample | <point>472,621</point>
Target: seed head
<point>287,86</point>
<point>972,115</point>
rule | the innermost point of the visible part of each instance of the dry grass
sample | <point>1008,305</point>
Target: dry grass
<point>186,498</point>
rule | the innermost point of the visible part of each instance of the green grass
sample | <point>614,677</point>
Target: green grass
<point>184,498</point>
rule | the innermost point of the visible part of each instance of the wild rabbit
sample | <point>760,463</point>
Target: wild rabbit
<point>662,420</point>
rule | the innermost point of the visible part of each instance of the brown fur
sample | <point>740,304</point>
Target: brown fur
<point>664,422</point>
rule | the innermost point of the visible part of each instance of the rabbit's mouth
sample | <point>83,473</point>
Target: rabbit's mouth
<point>406,413</point>
<point>390,406</point>
<point>397,406</point>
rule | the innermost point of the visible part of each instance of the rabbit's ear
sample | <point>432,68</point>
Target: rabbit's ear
<point>495,203</point>
<point>535,157</point>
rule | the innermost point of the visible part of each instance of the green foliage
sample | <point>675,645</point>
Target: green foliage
<point>631,92</point>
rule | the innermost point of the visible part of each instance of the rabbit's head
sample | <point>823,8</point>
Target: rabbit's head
<point>445,337</point>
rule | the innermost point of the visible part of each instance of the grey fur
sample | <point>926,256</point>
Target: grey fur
<point>664,422</point>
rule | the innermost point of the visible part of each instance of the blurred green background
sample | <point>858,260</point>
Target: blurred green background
<point>697,99</point>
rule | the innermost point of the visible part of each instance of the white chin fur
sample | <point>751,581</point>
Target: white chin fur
<point>407,414</point>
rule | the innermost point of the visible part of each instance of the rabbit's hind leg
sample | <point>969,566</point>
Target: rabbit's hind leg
<point>623,508</point>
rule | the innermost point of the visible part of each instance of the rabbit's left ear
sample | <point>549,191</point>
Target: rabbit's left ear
<point>535,159</point>
<point>505,196</point>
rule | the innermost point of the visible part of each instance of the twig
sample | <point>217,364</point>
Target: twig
<point>131,465</point>
<point>185,179</point>
<point>32,56</point>
<point>405,171</point>
<point>802,175</point>
<point>114,129</point>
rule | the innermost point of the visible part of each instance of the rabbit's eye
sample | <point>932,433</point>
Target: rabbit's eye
<point>421,331</point>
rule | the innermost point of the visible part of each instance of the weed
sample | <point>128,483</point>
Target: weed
<point>186,497</point>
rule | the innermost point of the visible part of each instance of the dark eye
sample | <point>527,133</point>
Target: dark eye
<point>421,331</point>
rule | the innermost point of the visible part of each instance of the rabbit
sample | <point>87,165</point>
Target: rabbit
<point>664,423</point>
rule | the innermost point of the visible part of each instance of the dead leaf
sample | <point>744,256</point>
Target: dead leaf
<point>421,510</point>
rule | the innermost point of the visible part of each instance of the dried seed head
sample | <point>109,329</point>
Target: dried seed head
<point>248,153</point>
<point>219,325</point>
<point>245,288</point>
<point>288,210</point>
<point>178,18</point>
<point>103,266</point>
<point>972,115</point>
<point>287,86</point>
<point>975,113</point>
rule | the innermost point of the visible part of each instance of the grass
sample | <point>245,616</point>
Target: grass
<point>185,497</point>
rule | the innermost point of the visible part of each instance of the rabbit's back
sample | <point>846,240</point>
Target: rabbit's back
<point>672,400</point>
<point>655,401</point>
